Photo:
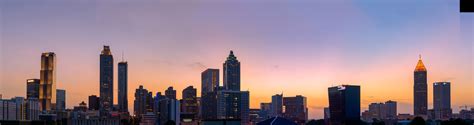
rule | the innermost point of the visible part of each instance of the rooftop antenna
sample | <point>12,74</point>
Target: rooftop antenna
<point>419,56</point>
<point>122,56</point>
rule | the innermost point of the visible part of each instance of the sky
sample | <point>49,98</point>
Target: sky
<point>297,47</point>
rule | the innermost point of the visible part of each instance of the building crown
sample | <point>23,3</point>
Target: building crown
<point>420,66</point>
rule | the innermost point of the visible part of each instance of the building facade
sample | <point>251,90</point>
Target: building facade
<point>277,105</point>
<point>32,88</point>
<point>122,86</point>
<point>47,89</point>
<point>295,109</point>
<point>106,81</point>
<point>420,90</point>
<point>232,73</point>
<point>442,100</point>
<point>61,100</point>
<point>94,102</point>
<point>344,104</point>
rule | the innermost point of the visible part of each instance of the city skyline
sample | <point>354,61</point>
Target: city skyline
<point>306,67</point>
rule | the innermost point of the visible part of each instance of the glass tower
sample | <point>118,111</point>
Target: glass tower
<point>122,86</point>
<point>47,89</point>
<point>420,90</point>
<point>106,81</point>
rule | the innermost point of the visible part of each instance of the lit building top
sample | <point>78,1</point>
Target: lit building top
<point>420,66</point>
<point>106,51</point>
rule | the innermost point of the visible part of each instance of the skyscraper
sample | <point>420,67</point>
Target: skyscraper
<point>391,109</point>
<point>276,105</point>
<point>344,104</point>
<point>47,90</point>
<point>295,109</point>
<point>94,102</point>
<point>209,80</point>
<point>170,93</point>
<point>122,86</point>
<point>420,90</point>
<point>189,104</point>
<point>233,105</point>
<point>32,88</point>
<point>140,103</point>
<point>209,87</point>
<point>442,100</point>
<point>106,81</point>
<point>232,73</point>
<point>61,99</point>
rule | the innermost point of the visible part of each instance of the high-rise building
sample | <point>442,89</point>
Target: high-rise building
<point>94,102</point>
<point>47,90</point>
<point>277,105</point>
<point>61,99</point>
<point>232,73</point>
<point>141,102</point>
<point>106,81</point>
<point>377,111</point>
<point>233,105</point>
<point>295,109</point>
<point>210,85</point>
<point>8,110</point>
<point>209,80</point>
<point>169,111</point>
<point>442,100</point>
<point>265,109</point>
<point>32,88</point>
<point>170,93</point>
<point>189,104</point>
<point>344,104</point>
<point>391,110</point>
<point>32,109</point>
<point>20,108</point>
<point>420,90</point>
<point>122,86</point>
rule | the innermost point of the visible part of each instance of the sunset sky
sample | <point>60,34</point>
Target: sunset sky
<point>294,47</point>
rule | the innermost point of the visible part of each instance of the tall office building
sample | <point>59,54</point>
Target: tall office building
<point>106,81</point>
<point>442,100</point>
<point>189,104</point>
<point>295,109</point>
<point>420,90</point>
<point>344,104</point>
<point>170,93</point>
<point>391,109</point>
<point>32,109</point>
<point>47,89</point>
<point>265,109</point>
<point>233,105</point>
<point>169,111</point>
<point>276,105</point>
<point>32,88</point>
<point>141,101</point>
<point>209,87</point>
<point>94,102</point>
<point>232,73</point>
<point>122,86</point>
<point>209,80</point>
<point>61,99</point>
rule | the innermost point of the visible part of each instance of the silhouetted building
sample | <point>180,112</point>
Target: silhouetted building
<point>141,102</point>
<point>169,111</point>
<point>47,91</point>
<point>32,109</point>
<point>442,100</point>
<point>210,85</point>
<point>32,88</point>
<point>209,80</point>
<point>8,110</point>
<point>420,90</point>
<point>381,111</point>
<point>94,102</point>
<point>122,86</point>
<point>277,105</point>
<point>106,81</point>
<point>170,93</point>
<point>295,109</point>
<point>391,109</point>
<point>60,99</point>
<point>233,105</point>
<point>344,104</point>
<point>232,73</point>
<point>189,104</point>
<point>265,109</point>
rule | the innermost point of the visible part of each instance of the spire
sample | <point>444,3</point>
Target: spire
<point>231,56</point>
<point>420,66</point>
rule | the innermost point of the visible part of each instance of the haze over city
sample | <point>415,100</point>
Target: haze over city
<point>294,48</point>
